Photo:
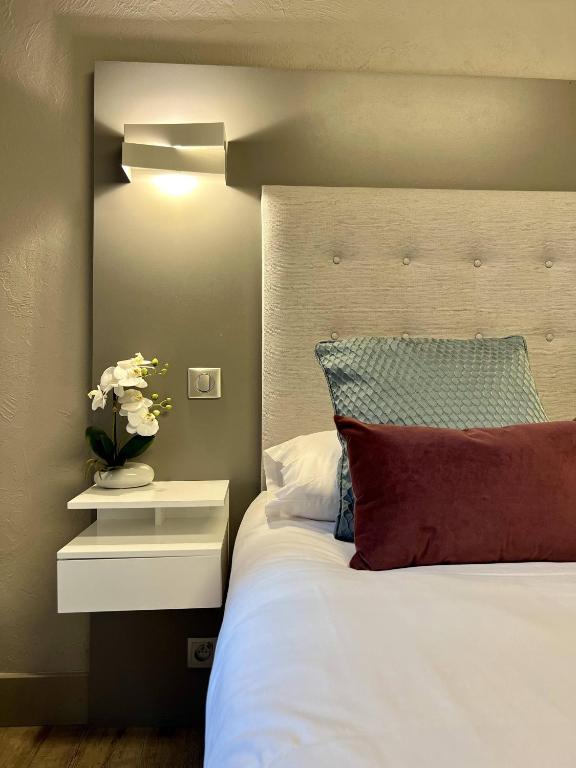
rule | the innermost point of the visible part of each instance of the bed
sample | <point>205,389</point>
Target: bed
<point>473,665</point>
<point>321,666</point>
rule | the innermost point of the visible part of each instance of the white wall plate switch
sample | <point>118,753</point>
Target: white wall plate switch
<point>204,383</point>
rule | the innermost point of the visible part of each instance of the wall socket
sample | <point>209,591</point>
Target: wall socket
<point>201,651</point>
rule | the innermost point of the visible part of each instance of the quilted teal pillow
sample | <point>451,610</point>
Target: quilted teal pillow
<point>433,382</point>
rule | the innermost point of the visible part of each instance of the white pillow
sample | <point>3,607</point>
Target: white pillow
<point>303,474</point>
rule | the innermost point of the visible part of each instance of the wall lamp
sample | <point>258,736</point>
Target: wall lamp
<point>192,148</point>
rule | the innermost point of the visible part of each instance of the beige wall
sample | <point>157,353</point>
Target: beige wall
<point>179,277</point>
<point>47,50</point>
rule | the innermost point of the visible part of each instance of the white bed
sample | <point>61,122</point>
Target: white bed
<point>468,666</point>
<point>318,665</point>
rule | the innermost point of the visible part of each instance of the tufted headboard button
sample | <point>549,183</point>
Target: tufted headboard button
<point>549,337</point>
<point>334,336</point>
<point>405,261</point>
<point>479,337</point>
<point>477,262</point>
<point>336,259</point>
<point>548,264</point>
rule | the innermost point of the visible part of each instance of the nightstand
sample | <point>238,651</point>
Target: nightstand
<point>161,546</point>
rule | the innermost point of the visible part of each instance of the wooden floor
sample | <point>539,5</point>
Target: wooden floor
<point>86,747</point>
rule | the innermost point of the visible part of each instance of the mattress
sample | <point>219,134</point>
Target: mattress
<point>318,665</point>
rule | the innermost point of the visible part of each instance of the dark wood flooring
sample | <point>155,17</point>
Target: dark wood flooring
<point>87,747</point>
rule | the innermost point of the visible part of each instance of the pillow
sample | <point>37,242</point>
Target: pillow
<point>303,474</point>
<point>427,496</point>
<point>434,382</point>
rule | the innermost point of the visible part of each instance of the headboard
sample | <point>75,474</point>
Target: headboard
<point>446,263</point>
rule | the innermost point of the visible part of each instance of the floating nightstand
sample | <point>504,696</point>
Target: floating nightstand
<point>161,546</point>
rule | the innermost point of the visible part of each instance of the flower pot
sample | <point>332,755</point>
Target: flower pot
<point>132,475</point>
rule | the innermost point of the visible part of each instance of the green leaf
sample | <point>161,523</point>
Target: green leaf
<point>134,447</point>
<point>101,444</point>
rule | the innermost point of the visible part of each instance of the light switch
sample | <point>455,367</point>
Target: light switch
<point>204,383</point>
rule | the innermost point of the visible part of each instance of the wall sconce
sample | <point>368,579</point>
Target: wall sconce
<point>195,148</point>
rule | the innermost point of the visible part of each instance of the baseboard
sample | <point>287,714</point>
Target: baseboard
<point>43,699</point>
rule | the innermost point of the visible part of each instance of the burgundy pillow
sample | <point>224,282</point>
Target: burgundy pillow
<point>427,496</point>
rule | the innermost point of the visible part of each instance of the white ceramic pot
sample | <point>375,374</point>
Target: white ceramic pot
<point>131,475</point>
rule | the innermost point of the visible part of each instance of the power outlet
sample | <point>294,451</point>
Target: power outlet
<point>201,651</point>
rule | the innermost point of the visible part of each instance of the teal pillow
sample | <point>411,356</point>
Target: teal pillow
<point>433,382</point>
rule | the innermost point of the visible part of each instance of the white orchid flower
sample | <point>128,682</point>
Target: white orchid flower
<point>135,417</point>
<point>109,381</point>
<point>98,397</point>
<point>143,423</point>
<point>133,400</point>
<point>135,362</point>
<point>129,377</point>
<point>116,378</point>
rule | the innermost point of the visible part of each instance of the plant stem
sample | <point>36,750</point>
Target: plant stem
<point>114,401</point>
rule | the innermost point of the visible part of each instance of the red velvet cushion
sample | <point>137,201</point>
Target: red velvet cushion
<point>426,496</point>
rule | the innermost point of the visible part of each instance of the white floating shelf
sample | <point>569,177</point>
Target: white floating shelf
<point>174,494</point>
<point>162,546</point>
<point>176,537</point>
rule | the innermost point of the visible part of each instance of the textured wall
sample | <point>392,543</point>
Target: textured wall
<point>44,334</point>
<point>47,50</point>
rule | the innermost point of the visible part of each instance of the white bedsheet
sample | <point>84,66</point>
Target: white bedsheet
<point>321,666</point>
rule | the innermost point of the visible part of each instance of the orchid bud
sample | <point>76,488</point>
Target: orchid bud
<point>154,396</point>
<point>168,407</point>
<point>154,361</point>
<point>156,412</point>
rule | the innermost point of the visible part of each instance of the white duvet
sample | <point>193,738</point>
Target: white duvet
<point>321,666</point>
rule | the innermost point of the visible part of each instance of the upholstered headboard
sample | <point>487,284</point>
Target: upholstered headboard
<point>445,263</point>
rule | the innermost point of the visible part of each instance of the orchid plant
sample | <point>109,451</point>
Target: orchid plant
<point>122,384</point>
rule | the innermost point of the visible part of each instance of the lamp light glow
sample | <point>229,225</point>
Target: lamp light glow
<point>175,184</point>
